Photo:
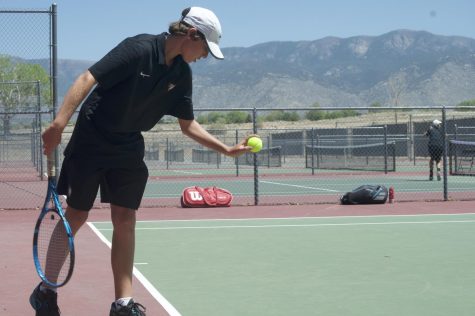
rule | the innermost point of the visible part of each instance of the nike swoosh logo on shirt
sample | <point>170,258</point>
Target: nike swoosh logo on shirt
<point>144,75</point>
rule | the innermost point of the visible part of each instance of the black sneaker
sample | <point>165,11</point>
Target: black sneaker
<point>44,303</point>
<point>132,309</point>
<point>438,177</point>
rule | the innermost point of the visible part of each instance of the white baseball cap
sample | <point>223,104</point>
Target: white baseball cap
<point>208,24</point>
<point>436,122</point>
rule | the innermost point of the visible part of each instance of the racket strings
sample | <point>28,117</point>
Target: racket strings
<point>53,248</point>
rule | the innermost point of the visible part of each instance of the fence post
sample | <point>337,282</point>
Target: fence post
<point>256,169</point>
<point>236,159</point>
<point>54,70</point>
<point>39,150</point>
<point>312,148</point>
<point>410,133</point>
<point>167,152</point>
<point>385,149</point>
<point>444,132</point>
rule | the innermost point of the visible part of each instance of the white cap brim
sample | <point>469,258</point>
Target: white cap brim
<point>215,50</point>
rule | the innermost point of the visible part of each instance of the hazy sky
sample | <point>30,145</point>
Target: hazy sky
<point>87,29</point>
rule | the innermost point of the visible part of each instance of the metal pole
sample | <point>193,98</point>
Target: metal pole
<point>456,155</point>
<point>444,132</point>
<point>268,151</point>
<point>385,149</point>
<point>256,169</point>
<point>236,159</point>
<point>167,153</point>
<point>54,69</point>
<point>317,152</point>
<point>410,138</point>
<point>312,149</point>
<point>39,161</point>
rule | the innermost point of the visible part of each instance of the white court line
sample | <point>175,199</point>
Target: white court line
<point>302,217</point>
<point>295,218</point>
<point>186,172</point>
<point>171,310</point>
<point>298,186</point>
<point>299,225</point>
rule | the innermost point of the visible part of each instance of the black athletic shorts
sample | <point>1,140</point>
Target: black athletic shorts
<point>80,180</point>
<point>435,152</point>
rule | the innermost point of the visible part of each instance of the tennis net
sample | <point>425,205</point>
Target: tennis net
<point>268,157</point>
<point>461,157</point>
<point>371,157</point>
<point>205,156</point>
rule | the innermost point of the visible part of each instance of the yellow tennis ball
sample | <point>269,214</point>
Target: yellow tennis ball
<point>255,143</point>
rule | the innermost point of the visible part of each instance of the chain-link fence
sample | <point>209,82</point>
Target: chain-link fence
<point>302,162</point>
<point>27,83</point>
<point>310,155</point>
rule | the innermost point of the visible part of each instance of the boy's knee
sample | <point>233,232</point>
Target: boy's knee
<point>124,217</point>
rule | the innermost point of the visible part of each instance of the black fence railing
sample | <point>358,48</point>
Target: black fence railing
<point>301,162</point>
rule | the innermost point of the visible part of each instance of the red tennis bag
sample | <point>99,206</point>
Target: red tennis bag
<point>206,197</point>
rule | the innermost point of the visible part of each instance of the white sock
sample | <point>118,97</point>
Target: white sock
<point>44,288</point>
<point>123,301</point>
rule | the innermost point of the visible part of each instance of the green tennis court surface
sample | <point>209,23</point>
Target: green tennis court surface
<point>359,265</point>
<point>308,185</point>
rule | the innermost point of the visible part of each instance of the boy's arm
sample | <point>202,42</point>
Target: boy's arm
<point>195,131</point>
<point>76,94</point>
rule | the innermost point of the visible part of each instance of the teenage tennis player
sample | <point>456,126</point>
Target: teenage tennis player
<point>131,88</point>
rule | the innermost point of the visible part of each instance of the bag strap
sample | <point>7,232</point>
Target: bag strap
<point>207,197</point>
<point>378,190</point>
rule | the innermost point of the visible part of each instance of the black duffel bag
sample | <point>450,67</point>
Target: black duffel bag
<point>366,194</point>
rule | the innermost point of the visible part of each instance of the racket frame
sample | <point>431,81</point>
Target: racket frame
<point>52,196</point>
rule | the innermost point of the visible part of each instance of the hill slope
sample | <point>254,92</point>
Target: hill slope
<point>400,68</point>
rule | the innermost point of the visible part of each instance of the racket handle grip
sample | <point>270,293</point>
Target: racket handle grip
<point>50,164</point>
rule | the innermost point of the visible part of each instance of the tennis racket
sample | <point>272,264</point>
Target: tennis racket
<point>53,241</point>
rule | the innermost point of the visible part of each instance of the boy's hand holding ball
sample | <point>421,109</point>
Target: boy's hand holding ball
<point>256,144</point>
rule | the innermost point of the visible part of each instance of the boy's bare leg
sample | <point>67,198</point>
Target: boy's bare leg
<point>123,248</point>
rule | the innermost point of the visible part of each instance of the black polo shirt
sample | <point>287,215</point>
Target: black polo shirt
<point>436,137</point>
<point>135,90</point>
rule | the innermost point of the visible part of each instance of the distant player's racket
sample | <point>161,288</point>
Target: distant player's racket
<point>53,241</point>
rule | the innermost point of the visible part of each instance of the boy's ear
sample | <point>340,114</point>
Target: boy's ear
<point>193,33</point>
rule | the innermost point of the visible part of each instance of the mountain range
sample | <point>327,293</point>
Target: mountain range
<point>399,68</point>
